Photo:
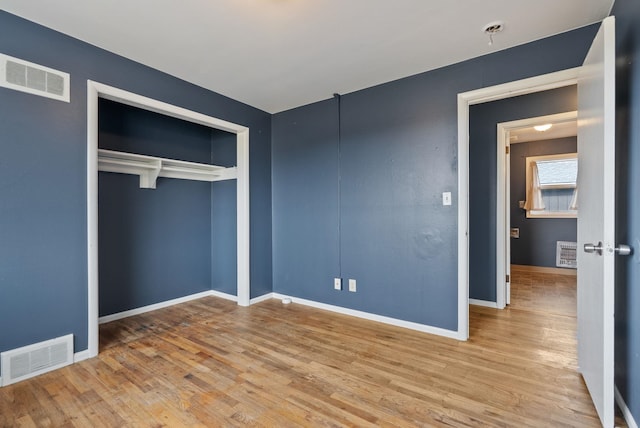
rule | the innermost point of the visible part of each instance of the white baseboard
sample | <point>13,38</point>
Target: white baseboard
<point>149,308</point>
<point>373,317</point>
<point>485,303</point>
<point>222,295</point>
<point>631,422</point>
<point>262,298</point>
<point>81,356</point>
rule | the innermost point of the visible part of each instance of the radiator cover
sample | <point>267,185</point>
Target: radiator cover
<point>566,254</point>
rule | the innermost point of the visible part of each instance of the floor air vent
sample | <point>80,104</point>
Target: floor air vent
<point>29,361</point>
<point>33,78</point>
<point>566,254</point>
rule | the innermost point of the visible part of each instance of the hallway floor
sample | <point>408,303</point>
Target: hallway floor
<point>543,292</point>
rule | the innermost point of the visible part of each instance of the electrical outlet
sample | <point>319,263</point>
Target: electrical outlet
<point>352,285</point>
<point>337,283</point>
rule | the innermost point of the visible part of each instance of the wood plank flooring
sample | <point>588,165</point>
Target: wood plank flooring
<point>212,363</point>
<point>544,292</point>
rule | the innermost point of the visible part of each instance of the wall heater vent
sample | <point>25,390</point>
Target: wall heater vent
<point>33,78</point>
<point>32,360</point>
<point>566,254</point>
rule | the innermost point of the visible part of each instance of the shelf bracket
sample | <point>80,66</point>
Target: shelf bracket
<point>149,177</point>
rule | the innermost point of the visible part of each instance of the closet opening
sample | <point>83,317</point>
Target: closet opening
<point>168,206</point>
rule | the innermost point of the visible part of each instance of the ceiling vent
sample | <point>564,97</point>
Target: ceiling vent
<point>34,79</point>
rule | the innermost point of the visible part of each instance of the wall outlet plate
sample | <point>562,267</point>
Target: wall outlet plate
<point>337,283</point>
<point>352,285</point>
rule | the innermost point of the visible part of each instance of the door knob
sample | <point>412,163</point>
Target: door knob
<point>623,250</point>
<point>593,248</point>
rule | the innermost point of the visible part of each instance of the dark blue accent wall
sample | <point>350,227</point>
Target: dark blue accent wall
<point>130,129</point>
<point>627,351</point>
<point>154,244</point>
<point>483,120</point>
<point>306,180</point>
<point>360,195</point>
<point>537,243</point>
<point>43,224</point>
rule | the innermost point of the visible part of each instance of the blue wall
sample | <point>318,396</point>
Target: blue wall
<point>360,195</point>
<point>537,243</point>
<point>627,352</point>
<point>306,177</point>
<point>43,261</point>
<point>154,244</point>
<point>483,120</point>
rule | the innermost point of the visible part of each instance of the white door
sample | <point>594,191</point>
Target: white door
<point>596,220</point>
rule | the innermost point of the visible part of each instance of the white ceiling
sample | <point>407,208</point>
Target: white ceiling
<point>560,128</point>
<point>280,54</point>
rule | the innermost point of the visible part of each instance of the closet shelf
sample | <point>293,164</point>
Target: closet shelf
<point>149,168</point>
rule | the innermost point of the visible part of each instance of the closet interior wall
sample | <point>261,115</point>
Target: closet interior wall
<point>173,241</point>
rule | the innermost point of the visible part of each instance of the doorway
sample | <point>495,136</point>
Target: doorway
<point>465,101</point>
<point>94,92</point>
<point>487,216</point>
<point>536,239</point>
<point>596,228</point>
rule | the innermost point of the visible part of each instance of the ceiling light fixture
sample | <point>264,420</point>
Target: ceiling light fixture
<point>542,128</point>
<point>493,28</point>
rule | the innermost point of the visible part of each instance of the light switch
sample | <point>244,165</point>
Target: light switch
<point>446,198</point>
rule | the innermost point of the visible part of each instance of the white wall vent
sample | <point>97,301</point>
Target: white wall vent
<point>566,254</point>
<point>32,360</point>
<point>35,79</point>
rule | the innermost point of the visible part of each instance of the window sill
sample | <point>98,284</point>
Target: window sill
<point>552,214</point>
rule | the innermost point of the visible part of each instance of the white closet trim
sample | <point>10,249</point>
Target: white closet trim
<point>149,168</point>
<point>97,90</point>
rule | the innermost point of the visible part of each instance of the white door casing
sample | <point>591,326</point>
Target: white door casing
<point>97,90</point>
<point>506,209</point>
<point>596,220</point>
<point>516,88</point>
<point>503,201</point>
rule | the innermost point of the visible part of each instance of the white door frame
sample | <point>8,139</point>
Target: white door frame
<point>503,221</point>
<point>465,100</point>
<point>98,90</point>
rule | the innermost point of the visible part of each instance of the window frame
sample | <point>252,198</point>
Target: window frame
<point>544,213</point>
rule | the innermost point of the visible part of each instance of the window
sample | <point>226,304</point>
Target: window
<point>552,186</point>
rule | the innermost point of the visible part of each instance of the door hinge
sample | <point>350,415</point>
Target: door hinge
<point>507,278</point>
<point>506,149</point>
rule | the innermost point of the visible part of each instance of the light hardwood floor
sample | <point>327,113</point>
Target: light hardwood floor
<point>212,363</point>
<point>544,292</point>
